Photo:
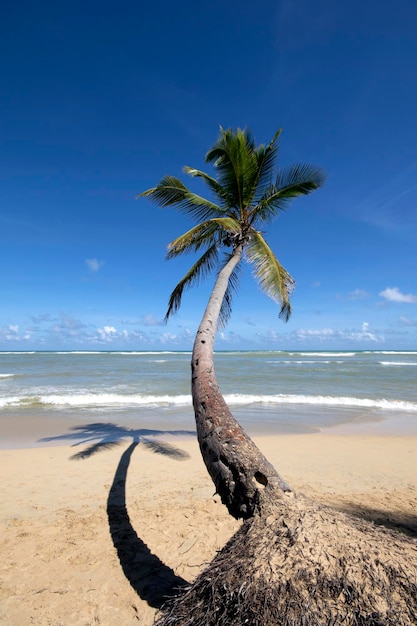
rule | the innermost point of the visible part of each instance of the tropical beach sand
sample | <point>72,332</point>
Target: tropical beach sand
<point>70,559</point>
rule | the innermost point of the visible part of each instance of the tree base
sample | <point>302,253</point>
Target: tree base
<point>303,564</point>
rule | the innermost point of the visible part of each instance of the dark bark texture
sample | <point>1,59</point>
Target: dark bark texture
<point>243,477</point>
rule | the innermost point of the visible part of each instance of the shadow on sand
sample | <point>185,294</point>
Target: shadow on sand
<point>153,581</point>
<point>105,435</point>
<point>401,522</point>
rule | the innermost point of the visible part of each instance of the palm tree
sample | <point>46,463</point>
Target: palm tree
<point>292,562</point>
<point>246,197</point>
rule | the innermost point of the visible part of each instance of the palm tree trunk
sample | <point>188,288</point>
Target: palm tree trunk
<point>243,477</point>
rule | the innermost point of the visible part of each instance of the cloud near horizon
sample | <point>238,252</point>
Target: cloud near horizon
<point>322,334</point>
<point>393,294</point>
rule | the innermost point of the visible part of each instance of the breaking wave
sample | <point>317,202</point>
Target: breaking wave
<point>161,401</point>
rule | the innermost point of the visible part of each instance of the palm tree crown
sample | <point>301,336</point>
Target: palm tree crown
<point>247,195</point>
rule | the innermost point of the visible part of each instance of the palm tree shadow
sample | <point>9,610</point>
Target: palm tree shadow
<point>152,579</point>
<point>106,435</point>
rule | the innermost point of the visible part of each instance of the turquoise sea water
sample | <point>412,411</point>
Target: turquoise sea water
<point>267,391</point>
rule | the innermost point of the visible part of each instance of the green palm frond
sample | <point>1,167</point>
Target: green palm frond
<point>191,241</point>
<point>172,191</point>
<point>306,177</point>
<point>211,182</point>
<point>234,157</point>
<point>266,157</point>
<point>272,277</point>
<point>298,180</point>
<point>205,264</point>
<point>245,194</point>
<point>206,233</point>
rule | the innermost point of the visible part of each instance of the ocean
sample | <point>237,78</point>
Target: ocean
<point>268,391</point>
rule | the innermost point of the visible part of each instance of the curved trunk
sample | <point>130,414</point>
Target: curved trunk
<point>243,477</point>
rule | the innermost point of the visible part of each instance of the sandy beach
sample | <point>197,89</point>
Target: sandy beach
<point>100,540</point>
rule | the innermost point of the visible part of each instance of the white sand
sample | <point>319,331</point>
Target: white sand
<point>60,566</point>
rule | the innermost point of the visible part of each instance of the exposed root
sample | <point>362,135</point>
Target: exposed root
<point>304,565</point>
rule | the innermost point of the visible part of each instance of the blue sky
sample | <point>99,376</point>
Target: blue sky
<point>100,100</point>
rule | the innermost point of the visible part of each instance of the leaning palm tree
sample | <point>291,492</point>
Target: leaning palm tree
<point>246,197</point>
<point>292,562</point>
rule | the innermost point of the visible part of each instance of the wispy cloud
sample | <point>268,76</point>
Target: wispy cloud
<point>382,207</point>
<point>358,294</point>
<point>405,321</point>
<point>94,264</point>
<point>42,317</point>
<point>393,294</point>
<point>151,320</point>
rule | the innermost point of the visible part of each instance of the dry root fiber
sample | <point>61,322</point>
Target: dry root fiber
<point>303,564</point>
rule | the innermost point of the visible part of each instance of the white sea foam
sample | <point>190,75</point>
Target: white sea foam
<point>310,362</point>
<point>77,352</point>
<point>401,363</point>
<point>6,375</point>
<point>112,352</point>
<point>148,353</point>
<point>17,352</point>
<point>406,352</point>
<point>324,354</point>
<point>97,400</point>
<point>347,401</point>
<point>154,401</point>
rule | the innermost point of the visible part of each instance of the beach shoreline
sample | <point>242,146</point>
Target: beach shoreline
<point>61,564</point>
<point>25,430</point>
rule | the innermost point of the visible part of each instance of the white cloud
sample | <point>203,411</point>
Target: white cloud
<point>365,333</point>
<point>106,333</point>
<point>316,284</point>
<point>13,333</point>
<point>94,264</point>
<point>393,294</point>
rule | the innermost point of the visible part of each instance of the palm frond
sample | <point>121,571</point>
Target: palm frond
<point>172,191</point>
<point>191,241</point>
<point>206,233</point>
<point>266,158</point>
<point>205,264</point>
<point>211,182</point>
<point>232,288</point>
<point>307,177</point>
<point>234,157</point>
<point>272,277</point>
<point>298,180</point>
